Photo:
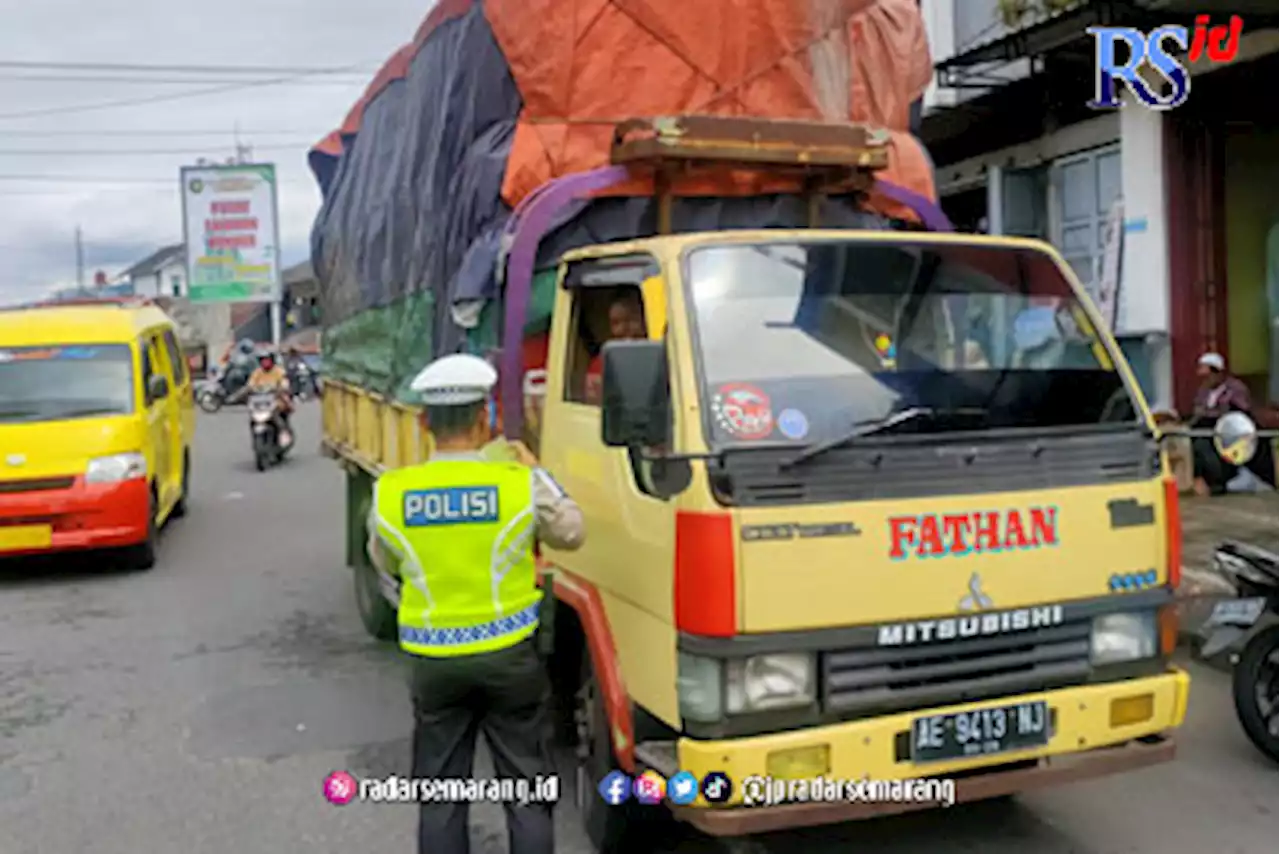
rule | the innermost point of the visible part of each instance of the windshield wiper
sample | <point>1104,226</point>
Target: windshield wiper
<point>872,426</point>
<point>18,414</point>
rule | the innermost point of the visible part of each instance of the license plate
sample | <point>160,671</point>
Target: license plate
<point>1237,612</point>
<point>15,538</point>
<point>980,733</point>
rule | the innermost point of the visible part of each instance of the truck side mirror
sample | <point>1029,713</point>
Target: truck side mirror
<point>1235,438</point>
<point>636,401</point>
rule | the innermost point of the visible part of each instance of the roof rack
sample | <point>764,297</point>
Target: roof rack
<point>825,156</point>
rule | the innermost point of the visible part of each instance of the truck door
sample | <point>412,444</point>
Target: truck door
<point>630,534</point>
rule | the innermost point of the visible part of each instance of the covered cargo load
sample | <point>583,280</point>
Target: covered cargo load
<point>493,98</point>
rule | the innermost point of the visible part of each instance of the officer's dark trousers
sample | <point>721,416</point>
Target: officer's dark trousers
<point>504,695</point>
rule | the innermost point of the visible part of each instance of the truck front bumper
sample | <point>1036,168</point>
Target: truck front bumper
<point>1087,741</point>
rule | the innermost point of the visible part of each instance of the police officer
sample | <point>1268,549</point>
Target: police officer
<point>459,531</point>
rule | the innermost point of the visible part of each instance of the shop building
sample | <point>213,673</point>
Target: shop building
<point>1187,196</point>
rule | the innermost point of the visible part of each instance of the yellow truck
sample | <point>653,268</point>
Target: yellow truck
<point>875,503</point>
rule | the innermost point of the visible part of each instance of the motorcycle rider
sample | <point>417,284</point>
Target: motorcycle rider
<point>295,368</point>
<point>269,376</point>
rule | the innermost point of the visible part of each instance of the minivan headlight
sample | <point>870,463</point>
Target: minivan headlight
<point>1123,637</point>
<point>116,468</point>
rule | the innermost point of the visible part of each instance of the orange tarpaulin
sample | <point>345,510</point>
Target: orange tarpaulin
<point>581,67</point>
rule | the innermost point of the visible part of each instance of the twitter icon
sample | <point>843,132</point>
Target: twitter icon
<point>682,789</point>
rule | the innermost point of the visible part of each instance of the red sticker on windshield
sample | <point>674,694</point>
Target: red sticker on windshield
<point>743,411</point>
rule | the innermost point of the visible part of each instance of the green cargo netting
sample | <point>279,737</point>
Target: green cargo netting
<point>382,349</point>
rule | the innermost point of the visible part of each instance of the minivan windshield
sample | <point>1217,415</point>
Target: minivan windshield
<point>54,383</point>
<point>799,342</point>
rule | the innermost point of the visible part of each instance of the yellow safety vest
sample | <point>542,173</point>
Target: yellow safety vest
<point>463,532</point>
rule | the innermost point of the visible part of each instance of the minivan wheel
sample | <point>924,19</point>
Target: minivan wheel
<point>180,508</point>
<point>143,555</point>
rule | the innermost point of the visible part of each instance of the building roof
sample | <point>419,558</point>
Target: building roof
<point>156,260</point>
<point>299,273</point>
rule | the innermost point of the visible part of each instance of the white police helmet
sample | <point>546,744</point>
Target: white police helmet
<point>455,380</point>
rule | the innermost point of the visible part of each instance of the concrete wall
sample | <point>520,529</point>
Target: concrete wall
<point>160,283</point>
<point>1251,180</point>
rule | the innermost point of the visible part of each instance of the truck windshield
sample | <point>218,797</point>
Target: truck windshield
<point>797,342</point>
<point>51,383</point>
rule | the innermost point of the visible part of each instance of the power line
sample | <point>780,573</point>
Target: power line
<point>139,152</point>
<point>182,69</point>
<point>158,132</point>
<point>153,99</point>
<point>355,80</point>
<point>108,179</point>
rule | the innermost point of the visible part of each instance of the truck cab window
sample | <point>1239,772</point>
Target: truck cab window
<point>603,314</point>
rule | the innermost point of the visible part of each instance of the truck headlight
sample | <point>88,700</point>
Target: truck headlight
<point>1123,637</point>
<point>116,468</point>
<point>763,682</point>
<point>699,687</point>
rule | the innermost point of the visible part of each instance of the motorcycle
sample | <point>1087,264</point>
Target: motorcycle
<point>1246,628</point>
<point>271,439</point>
<point>215,391</point>
<point>302,381</point>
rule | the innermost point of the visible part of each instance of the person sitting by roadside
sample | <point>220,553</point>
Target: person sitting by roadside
<point>1219,393</point>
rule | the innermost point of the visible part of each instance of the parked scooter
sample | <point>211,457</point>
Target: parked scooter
<point>271,438</point>
<point>1245,626</point>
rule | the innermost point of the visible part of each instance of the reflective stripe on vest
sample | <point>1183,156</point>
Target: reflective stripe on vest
<point>463,530</point>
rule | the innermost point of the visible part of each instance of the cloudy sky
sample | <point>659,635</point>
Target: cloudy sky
<point>72,155</point>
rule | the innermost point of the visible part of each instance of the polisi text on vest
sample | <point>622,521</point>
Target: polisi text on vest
<point>451,505</point>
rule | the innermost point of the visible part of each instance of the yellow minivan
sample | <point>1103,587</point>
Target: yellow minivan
<point>96,422</point>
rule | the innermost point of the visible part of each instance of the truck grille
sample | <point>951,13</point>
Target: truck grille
<point>36,484</point>
<point>866,681</point>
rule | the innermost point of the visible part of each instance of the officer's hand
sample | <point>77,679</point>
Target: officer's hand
<point>523,455</point>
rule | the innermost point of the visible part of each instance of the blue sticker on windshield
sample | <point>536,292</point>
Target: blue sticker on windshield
<point>793,424</point>
<point>78,353</point>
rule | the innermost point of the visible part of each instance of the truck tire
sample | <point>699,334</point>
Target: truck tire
<point>376,613</point>
<point>610,828</point>
<point>1255,672</point>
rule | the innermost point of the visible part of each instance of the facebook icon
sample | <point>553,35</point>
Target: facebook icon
<point>615,788</point>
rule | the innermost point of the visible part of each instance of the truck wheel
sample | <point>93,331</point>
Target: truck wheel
<point>376,613</point>
<point>610,828</point>
<point>1253,682</point>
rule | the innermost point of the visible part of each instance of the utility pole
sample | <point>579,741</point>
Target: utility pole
<point>79,259</point>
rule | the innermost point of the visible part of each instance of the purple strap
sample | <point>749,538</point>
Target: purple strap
<point>536,215</point>
<point>928,211</point>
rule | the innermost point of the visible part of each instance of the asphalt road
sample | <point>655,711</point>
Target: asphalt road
<point>196,708</point>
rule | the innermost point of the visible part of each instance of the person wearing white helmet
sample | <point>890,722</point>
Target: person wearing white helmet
<point>1218,394</point>
<point>459,530</point>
